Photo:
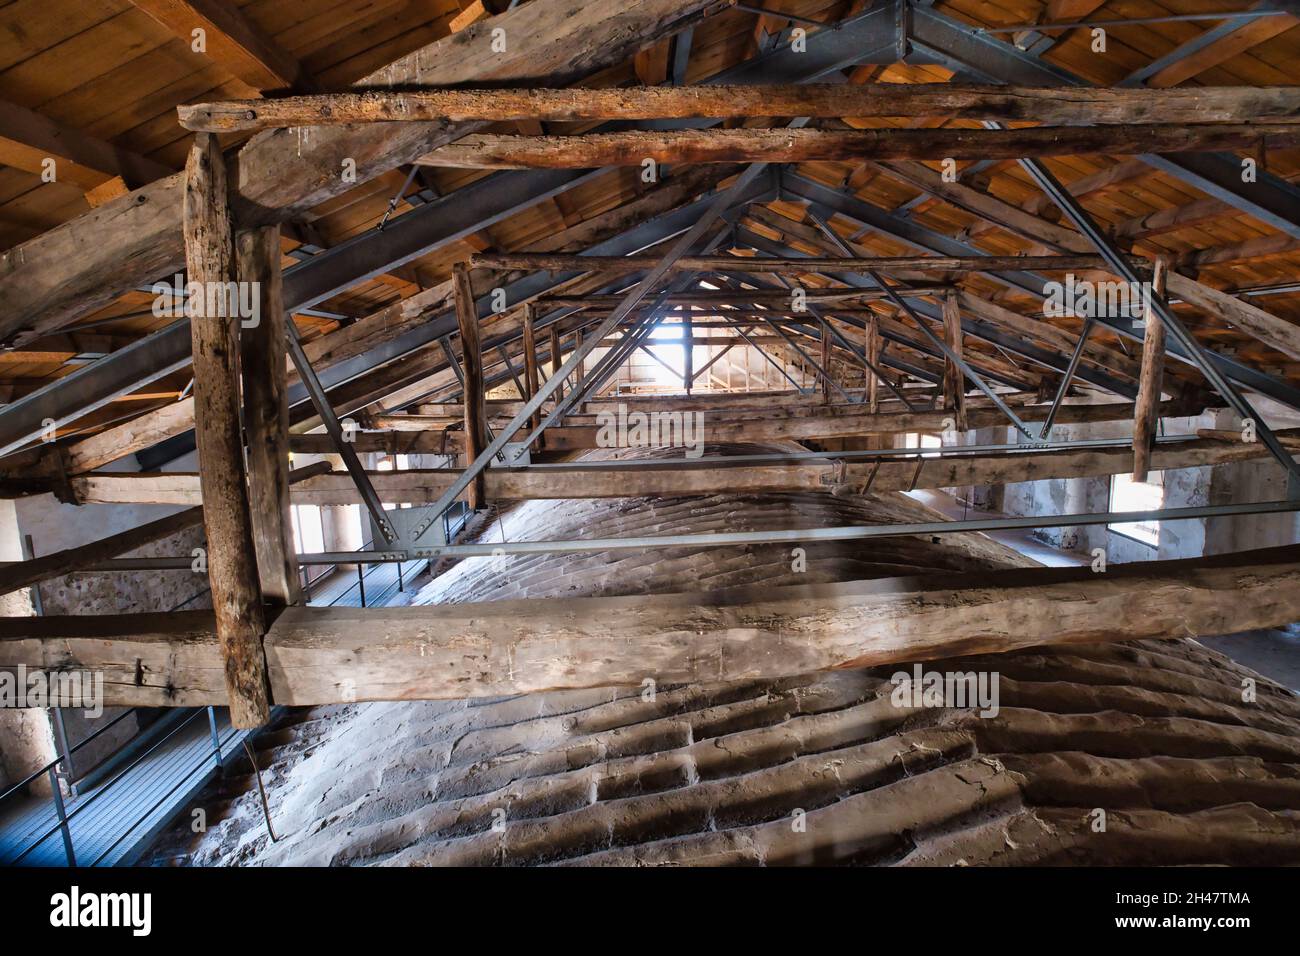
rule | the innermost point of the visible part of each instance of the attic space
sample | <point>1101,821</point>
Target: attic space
<point>789,433</point>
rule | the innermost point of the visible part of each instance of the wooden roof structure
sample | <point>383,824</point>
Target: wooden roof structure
<point>432,258</point>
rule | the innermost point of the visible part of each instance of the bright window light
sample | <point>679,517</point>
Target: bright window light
<point>1129,495</point>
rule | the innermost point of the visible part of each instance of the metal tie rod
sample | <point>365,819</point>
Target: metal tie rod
<point>1066,202</point>
<point>331,421</point>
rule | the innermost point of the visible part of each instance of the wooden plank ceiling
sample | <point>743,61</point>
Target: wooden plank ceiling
<point>101,79</point>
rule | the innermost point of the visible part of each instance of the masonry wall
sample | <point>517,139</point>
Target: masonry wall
<point>1233,483</point>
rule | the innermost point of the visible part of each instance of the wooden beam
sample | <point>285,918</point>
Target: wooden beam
<point>232,571</point>
<point>984,205</point>
<point>1173,218</point>
<point>266,417</point>
<point>954,382</point>
<point>1273,331</point>
<point>677,479</point>
<point>771,297</point>
<point>22,574</point>
<point>499,648</point>
<point>746,145</point>
<point>557,359</point>
<point>871,351</point>
<point>1060,105</point>
<point>826,363</point>
<point>84,264</point>
<point>1248,35</point>
<point>1258,247</point>
<point>476,438</point>
<point>29,140</point>
<point>531,380</point>
<point>561,262</point>
<point>845,425</point>
<point>1146,412</point>
<point>231,41</point>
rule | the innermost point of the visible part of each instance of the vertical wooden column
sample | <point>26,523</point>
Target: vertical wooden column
<point>232,572</point>
<point>530,358</point>
<point>582,366</point>
<point>555,361</point>
<point>826,364</point>
<point>266,416</point>
<point>1146,412</point>
<point>954,383</point>
<point>871,348</point>
<point>472,362</point>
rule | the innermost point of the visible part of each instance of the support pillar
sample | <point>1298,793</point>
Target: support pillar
<point>232,571</point>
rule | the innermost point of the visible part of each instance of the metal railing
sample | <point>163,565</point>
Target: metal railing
<point>64,816</point>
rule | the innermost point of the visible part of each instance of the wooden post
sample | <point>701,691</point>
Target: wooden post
<point>472,362</point>
<point>826,363</point>
<point>266,417</point>
<point>872,352</point>
<point>530,358</point>
<point>232,573</point>
<point>1146,412</point>
<point>954,383</point>
<point>582,366</point>
<point>555,361</point>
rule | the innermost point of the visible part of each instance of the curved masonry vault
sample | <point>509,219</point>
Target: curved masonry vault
<point>1140,753</point>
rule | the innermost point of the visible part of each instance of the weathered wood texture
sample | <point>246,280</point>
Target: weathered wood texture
<point>678,478</point>
<point>1062,105</point>
<point>84,264</point>
<point>266,416</point>
<point>530,360</point>
<point>1146,411</point>
<point>472,364</point>
<point>232,571</point>
<point>557,262</point>
<point>954,382</point>
<point>596,150</point>
<point>333,655</point>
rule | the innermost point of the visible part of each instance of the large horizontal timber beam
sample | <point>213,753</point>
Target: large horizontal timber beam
<point>590,150</point>
<point>967,263</point>
<point>849,473</point>
<point>1269,198</point>
<point>1048,105</point>
<point>862,38</point>
<point>331,655</point>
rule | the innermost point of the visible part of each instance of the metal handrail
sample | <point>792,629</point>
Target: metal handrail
<point>144,816</point>
<point>58,760</point>
<point>65,817</point>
